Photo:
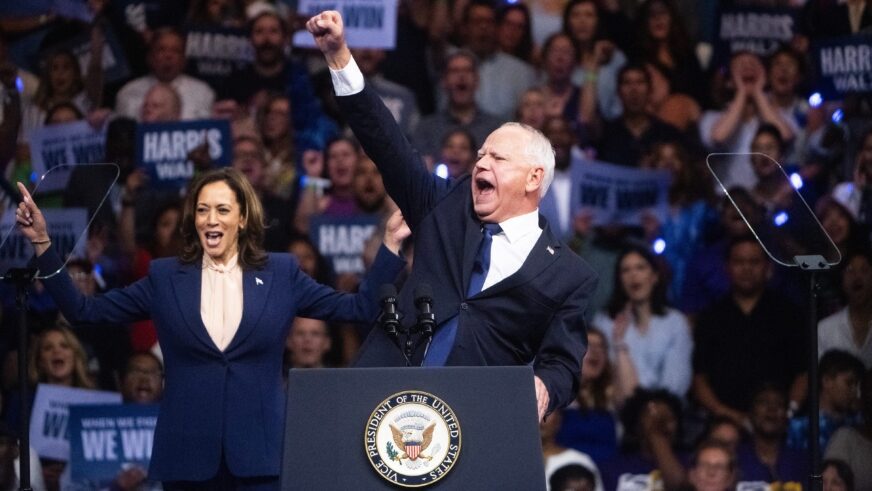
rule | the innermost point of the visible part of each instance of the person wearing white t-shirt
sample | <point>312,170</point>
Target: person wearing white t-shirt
<point>166,58</point>
<point>850,329</point>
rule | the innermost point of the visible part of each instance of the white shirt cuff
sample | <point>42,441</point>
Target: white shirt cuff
<point>347,80</point>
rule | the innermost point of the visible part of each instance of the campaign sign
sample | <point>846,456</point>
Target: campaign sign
<point>142,15</point>
<point>213,53</point>
<point>342,240</point>
<point>162,149</point>
<point>616,194</point>
<point>106,439</point>
<point>368,23</point>
<point>844,65</point>
<point>758,30</point>
<point>65,144</point>
<point>113,60</point>
<point>51,414</point>
<point>67,226</point>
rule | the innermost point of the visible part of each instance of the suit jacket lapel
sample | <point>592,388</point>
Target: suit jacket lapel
<point>471,241</point>
<point>256,286</point>
<point>545,252</point>
<point>187,282</point>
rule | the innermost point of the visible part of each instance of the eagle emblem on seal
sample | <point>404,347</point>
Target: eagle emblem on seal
<point>412,441</point>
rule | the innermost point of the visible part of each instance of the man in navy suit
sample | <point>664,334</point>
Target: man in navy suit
<point>505,290</point>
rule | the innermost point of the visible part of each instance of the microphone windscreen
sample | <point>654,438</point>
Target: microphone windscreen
<point>386,291</point>
<point>423,290</point>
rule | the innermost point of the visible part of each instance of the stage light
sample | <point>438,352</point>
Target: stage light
<point>781,218</point>
<point>837,116</point>
<point>815,99</point>
<point>442,170</point>
<point>796,181</point>
<point>659,246</point>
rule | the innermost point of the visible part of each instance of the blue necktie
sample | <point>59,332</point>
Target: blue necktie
<point>443,339</point>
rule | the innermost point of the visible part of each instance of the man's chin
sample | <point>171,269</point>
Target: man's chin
<point>484,212</point>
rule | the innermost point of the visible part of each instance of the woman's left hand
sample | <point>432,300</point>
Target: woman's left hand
<point>396,231</point>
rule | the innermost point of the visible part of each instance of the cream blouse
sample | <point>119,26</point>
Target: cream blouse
<point>221,300</point>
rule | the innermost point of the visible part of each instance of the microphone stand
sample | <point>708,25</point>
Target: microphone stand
<point>426,317</point>
<point>389,320</point>
<point>813,265</point>
<point>21,278</point>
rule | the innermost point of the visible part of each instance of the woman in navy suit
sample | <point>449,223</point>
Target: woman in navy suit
<point>222,311</point>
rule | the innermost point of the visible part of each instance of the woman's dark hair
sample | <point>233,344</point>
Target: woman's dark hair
<point>524,50</point>
<point>570,472</point>
<point>599,388</point>
<point>786,50</point>
<point>634,407</point>
<point>677,40</point>
<point>618,300</point>
<point>61,106</point>
<point>121,144</point>
<point>550,40</point>
<point>567,13</point>
<point>264,110</point>
<point>323,269</point>
<point>45,92</point>
<point>842,469</point>
<point>689,184</point>
<point>771,130</point>
<point>250,241</point>
<point>155,249</point>
<point>855,241</point>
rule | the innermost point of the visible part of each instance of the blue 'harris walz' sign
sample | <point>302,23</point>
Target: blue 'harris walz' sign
<point>844,65</point>
<point>162,149</point>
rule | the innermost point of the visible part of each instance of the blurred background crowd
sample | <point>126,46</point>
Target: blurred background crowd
<point>696,370</point>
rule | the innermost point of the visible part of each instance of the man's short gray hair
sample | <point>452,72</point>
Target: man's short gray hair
<point>540,152</point>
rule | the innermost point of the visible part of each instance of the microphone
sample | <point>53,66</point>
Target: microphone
<point>389,318</point>
<point>424,303</point>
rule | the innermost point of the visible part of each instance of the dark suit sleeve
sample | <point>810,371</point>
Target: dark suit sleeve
<point>118,306</point>
<point>409,184</point>
<point>558,362</point>
<point>322,302</point>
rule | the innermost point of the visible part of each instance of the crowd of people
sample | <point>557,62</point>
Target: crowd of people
<point>696,373</point>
